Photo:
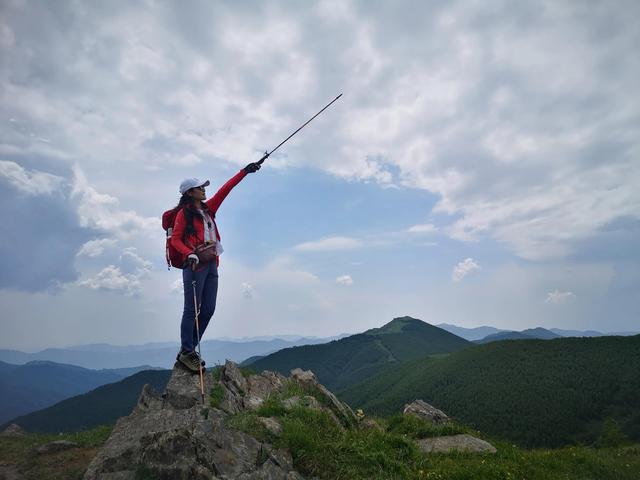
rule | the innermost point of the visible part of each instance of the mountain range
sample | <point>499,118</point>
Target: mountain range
<point>351,359</point>
<point>160,355</point>
<point>486,334</point>
<point>38,384</point>
<point>101,406</point>
<point>548,393</point>
<point>534,392</point>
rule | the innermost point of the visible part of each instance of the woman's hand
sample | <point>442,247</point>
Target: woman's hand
<point>193,260</point>
<point>252,167</point>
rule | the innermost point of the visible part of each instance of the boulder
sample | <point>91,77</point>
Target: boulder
<point>175,436</point>
<point>9,472</point>
<point>423,410</point>
<point>461,443</point>
<point>305,401</point>
<point>13,430</point>
<point>56,446</point>
<point>260,387</point>
<point>342,411</point>
<point>271,424</point>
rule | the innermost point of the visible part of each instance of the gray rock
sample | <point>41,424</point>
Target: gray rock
<point>233,379</point>
<point>9,472</point>
<point>306,401</point>
<point>342,411</point>
<point>56,446</point>
<point>260,387</point>
<point>370,424</point>
<point>423,410</point>
<point>461,443</point>
<point>176,437</point>
<point>13,430</point>
<point>271,424</point>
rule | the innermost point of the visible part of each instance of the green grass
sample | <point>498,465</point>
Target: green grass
<point>415,427</point>
<point>68,465</point>
<point>216,394</point>
<point>322,449</point>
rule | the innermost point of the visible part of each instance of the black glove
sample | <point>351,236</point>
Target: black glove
<point>252,167</point>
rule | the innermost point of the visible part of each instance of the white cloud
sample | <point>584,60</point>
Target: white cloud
<point>176,286</point>
<point>344,280</point>
<point>101,211</point>
<point>31,182</point>
<point>133,262</point>
<point>426,228</point>
<point>329,243</point>
<point>124,278</point>
<point>111,278</point>
<point>557,297</point>
<point>188,160</point>
<point>247,291</point>
<point>95,248</point>
<point>463,269</point>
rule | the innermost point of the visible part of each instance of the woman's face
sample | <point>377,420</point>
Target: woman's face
<point>198,193</point>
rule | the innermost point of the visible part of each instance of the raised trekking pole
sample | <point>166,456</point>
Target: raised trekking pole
<point>197,307</point>
<point>266,154</point>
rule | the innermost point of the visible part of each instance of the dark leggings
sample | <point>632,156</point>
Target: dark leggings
<point>206,285</point>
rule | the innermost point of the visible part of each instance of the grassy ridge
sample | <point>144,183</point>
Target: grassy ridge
<point>535,392</point>
<point>66,465</point>
<point>321,449</point>
<point>344,362</point>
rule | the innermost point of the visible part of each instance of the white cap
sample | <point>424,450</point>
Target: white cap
<point>189,183</point>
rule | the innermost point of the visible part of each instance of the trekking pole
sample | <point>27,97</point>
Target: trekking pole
<point>266,154</point>
<point>197,307</point>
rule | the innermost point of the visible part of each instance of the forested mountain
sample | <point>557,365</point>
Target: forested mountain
<point>36,385</point>
<point>535,392</point>
<point>344,362</point>
<point>530,333</point>
<point>101,406</point>
<point>474,333</point>
<point>497,337</point>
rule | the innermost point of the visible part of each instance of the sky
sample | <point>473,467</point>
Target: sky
<point>481,168</point>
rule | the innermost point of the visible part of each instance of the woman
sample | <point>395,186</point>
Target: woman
<point>195,226</point>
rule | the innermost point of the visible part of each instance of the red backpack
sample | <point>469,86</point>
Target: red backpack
<point>175,259</point>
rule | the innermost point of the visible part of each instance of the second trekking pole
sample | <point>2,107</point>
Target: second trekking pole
<point>197,315</point>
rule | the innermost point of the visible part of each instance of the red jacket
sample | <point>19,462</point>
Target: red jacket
<point>186,244</point>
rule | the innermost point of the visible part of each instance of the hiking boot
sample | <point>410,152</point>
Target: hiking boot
<point>190,360</point>
<point>202,362</point>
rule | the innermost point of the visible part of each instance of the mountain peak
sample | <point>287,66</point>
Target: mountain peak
<point>397,325</point>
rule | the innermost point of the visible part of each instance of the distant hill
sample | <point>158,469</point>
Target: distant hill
<point>537,393</point>
<point>38,384</point>
<point>577,333</point>
<point>101,406</point>
<point>530,333</point>
<point>160,355</point>
<point>496,337</point>
<point>475,333</point>
<point>540,333</point>
<point>351,359</point>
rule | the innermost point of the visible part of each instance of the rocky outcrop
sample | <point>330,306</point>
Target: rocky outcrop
<point>174,436</point>
<point>342,411</point>
<point>422,409</point>
<point>13,430</point>
<point>460,443</point>
<point>445,444</point>
<point>56,446</point>
<point>240,393</point>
